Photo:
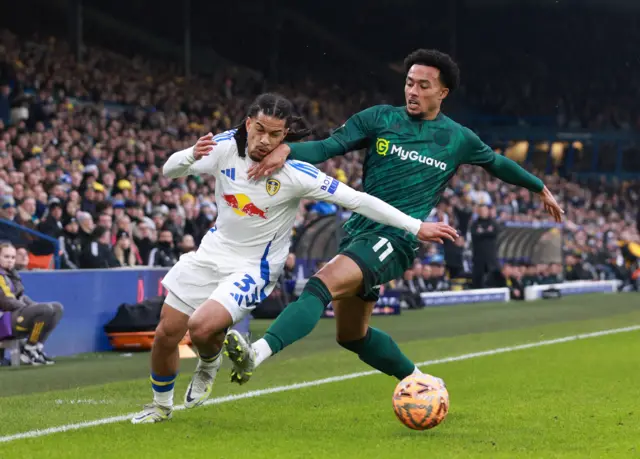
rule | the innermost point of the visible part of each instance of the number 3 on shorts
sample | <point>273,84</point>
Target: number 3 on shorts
<point>382,243</point>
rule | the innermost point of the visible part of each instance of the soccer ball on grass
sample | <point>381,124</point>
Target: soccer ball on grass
<point>421,401</point>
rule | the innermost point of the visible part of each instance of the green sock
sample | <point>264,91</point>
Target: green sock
<point>380,351</point>
<point>300,317</point>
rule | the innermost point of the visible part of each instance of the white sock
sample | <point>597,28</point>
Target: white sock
<point>262,351</point>
<point>417,371</point>
<point>164,398</point>
<point>211,364</point>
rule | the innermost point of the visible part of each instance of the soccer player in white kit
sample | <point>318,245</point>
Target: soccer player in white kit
<point>242,256</point>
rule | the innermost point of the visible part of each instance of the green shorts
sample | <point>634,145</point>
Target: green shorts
<point>381,256</point>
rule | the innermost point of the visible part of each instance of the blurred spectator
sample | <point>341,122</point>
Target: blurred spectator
<point>145,240</point>
<point>510,277</point>
<point>105,220</point>
<point>439,280</point>
<point>31,320</point>
<point>454,257</point>
<point>9,232</point>
<point>70,244</point>
<point>484,234</point>
<point>574,268</point>
<point>86,228</point>
<point>409,290</point>
<point>163,255</point>
<point>123,251</point>
<point>425,283</point>
<point>26,214</point>
<point>97,254</point>
<point>555,273</point>
<point>52,224</point>
<point>186,245</point>
<point>7,208</point>
<point>531,275</point>
<point>22,259</point>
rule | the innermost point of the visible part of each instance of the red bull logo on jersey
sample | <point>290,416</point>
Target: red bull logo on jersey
<point>242,205</point>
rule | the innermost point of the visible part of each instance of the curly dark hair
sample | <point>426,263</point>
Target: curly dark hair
<point>279,107</point>
<point>449,71</point>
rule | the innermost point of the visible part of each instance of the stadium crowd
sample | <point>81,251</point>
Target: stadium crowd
<point>82,146</point>
<point>599,240</point>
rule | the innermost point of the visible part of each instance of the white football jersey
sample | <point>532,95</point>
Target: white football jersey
<point>256,217</point>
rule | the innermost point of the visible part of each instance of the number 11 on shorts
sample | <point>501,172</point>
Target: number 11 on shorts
<point>382,243</point>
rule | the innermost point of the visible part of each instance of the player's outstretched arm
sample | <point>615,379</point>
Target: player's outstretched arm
<point>313,152</point>
<point>511,172</point>
<point>187,162</point>
<point>352,135</point>
<point>381,212</point>
<point>329,189</point>
<point>478,153</point>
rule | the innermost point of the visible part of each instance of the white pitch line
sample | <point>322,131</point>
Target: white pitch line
<point>317,382</point>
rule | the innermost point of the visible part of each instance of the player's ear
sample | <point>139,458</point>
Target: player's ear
<point>247,123</point>
<point>444,93</point>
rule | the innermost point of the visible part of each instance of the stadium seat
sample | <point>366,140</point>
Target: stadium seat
<point>40,261</point>
<point>7,340</point>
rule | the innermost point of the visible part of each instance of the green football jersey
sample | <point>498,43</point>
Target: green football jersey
<point>408,161</point>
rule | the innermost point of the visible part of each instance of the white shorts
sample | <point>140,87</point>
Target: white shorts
<point>191,282</point>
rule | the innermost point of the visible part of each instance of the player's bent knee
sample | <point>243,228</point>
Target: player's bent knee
<point>166,336</point>
<point>46,310</point>
<point>58,309</point>
<point>171,329</point>
<point>209,320</point>
<point>341,283</point>
<point>201,330</point>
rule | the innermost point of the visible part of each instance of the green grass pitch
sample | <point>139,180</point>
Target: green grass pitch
<point>573,399</point>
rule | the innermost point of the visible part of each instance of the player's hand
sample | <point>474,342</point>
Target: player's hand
<point>551,205</point>
<point>204,146</point>
<point>270,163</point>
<point>436,232</point>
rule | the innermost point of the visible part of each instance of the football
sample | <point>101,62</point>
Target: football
<point>421,402</point>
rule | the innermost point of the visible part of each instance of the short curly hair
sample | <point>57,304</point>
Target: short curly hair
<point>449,70</point>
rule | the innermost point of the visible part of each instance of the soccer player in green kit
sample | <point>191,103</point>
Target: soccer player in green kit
<point>412,152</point>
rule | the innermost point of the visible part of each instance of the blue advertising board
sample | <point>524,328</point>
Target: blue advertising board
<point>91,299</point>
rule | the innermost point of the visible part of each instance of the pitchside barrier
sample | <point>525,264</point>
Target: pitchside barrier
<point>389,303</point>
<point>91,299</point>
<point>487,295</point>
<point>536,292</point>
<point>532,293</point>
